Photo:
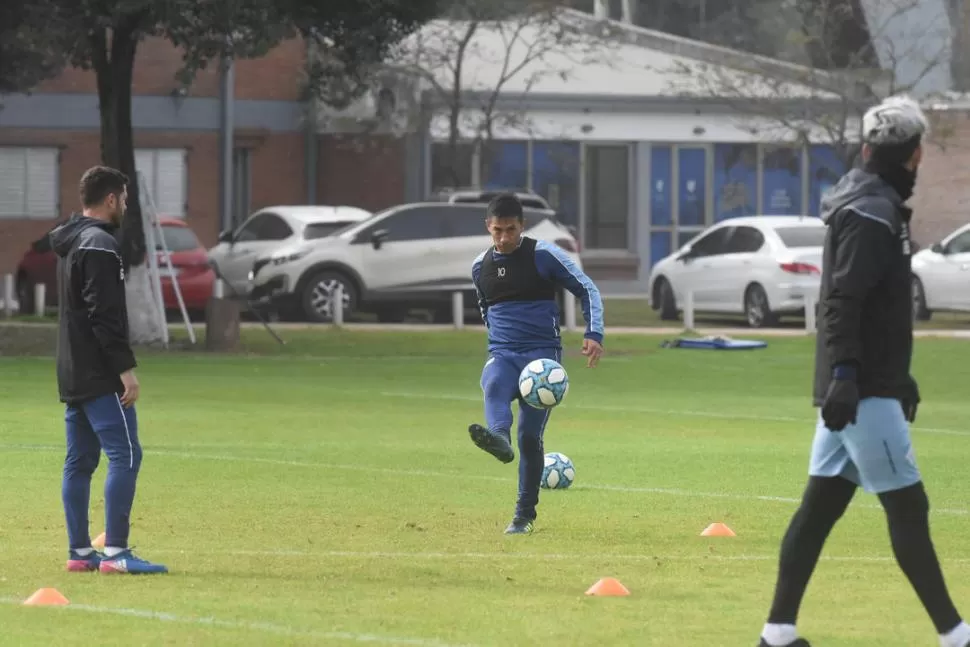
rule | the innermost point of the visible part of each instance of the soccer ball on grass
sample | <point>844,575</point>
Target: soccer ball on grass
<point>558,472</point>
<point>543,383</point>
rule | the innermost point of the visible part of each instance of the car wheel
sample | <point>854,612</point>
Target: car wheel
<point>663,298</point>
<point>920,311</point>
<point>318,295</point>
<point>757,310</point>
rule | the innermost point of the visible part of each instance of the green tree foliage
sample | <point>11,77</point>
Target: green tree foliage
<point>24,58</point>
<point>38,37</point>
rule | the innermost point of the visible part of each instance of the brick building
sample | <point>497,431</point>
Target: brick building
<point>47,139</point>
<point>615,134</point>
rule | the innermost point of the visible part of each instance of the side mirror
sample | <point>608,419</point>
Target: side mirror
<point>378,237</point>
<point>225,237</point>
<point>937,248</point>
<point>685,255</point>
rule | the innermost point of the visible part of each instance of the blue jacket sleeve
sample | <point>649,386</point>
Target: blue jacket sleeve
<point>554,265</point>
<point>476,272</point>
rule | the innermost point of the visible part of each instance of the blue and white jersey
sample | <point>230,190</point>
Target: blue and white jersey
<point>517,296</point>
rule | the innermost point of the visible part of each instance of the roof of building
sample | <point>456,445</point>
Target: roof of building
<point>580,55</point>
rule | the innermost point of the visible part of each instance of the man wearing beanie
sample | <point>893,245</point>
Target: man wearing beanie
<point>863,387</point>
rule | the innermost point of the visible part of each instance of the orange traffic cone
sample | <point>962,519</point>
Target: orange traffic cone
<point>608,586</point>
<point>717,530</point>
<point>46,598</point>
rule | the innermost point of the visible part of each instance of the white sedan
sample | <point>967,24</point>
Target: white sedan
<point>941,276</point>
<point>759,266</point>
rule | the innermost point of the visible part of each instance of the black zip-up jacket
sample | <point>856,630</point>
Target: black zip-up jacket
<point>92,342</point>
<point>865,303</point>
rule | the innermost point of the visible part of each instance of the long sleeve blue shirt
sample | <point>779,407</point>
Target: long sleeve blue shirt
<point>520,326</point>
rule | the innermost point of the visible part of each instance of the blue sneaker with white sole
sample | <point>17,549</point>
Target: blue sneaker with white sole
<point>127,562</point>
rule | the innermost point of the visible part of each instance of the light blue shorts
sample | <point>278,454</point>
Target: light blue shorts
<point>875,452</point>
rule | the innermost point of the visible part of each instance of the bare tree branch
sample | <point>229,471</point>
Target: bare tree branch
<point>469,64</point>
<point>798,104</point>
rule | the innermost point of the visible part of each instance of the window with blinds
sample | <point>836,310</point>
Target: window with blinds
<point>165,177</point>
<point>29,186</point>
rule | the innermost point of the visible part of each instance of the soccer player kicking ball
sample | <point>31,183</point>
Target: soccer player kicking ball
<point>862,379</point>
<point>517,280</point>
<point>95,374</point>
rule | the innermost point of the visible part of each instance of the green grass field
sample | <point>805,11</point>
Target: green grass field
<point>327,493</point>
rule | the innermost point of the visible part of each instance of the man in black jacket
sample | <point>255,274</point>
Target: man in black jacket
<point>863,385</point>
<point>95,374</point>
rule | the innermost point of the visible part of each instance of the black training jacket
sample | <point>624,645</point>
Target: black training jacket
<point>92,342</point>
<point>865,304</point>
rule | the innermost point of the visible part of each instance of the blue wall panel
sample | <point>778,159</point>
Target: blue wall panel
<point>824,170</point>
<point>555,176</point>
<point>661,184</point>
<point>735,180</point>
<point>782,181</point>
<point>692,189</point>
<point>507,166</point>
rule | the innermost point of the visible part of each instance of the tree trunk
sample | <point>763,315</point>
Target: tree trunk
<point>453,135</point>
<point>117,141</point>
<point>456,107</point>
<point>959,14</point>
<point>114,68</point>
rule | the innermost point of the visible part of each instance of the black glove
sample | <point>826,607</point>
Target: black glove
<point>842,399</point>
<point>911,400</point>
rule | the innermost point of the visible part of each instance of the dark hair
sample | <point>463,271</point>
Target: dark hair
<point>505,205</point>
<point>98,182</point>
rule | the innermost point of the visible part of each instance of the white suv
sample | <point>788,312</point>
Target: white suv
<point>276,228</point>
<point>409,256</point>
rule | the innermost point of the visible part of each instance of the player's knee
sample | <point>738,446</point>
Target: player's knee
<point>906,504</point>
<point>81,464</point>
<point>136,455</point>
<point>125,456</point>
<point>493,388</point>
<point>825,500</point>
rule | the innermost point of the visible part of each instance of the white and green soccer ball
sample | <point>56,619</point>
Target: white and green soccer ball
<point>558,472</point>
<point>543,383</point>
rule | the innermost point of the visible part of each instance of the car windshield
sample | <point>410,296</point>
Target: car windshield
<point>801,236</point>
<point>178,239</point>
<point>323,229</point>
<point>361,224</point>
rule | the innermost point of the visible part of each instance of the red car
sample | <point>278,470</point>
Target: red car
<point>189,258</point>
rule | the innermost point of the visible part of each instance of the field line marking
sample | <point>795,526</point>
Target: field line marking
<point>266,627</point>
<point>498,555</point>
<point>411,395</point>
<point>475,477</point>
<point>433,556</point>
